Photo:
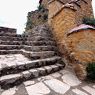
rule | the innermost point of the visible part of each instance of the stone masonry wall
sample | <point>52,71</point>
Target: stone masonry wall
<point>82,45</point>
<point>36,18</point>
<point>83,9</point>
<point>45,3</point>
<point>81,48</point>
<point>62,23</point>
<point>77,48</point>
<point>64,17</point>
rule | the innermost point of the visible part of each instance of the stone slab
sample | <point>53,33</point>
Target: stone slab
<point>79,92</point>
<point>56,75</point>
<point>57,86</point>
<point>38,89</point>
<point>71,79</point>
<point>89,89</point>
<point>30,82</point>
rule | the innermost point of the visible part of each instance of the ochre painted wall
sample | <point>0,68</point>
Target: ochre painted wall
<point>85,10</point>
<point>66,19</point>
<point>54,7</point>
<point>45,3</point>
<point>62,23</point>
<point>77,48</point>
<point>82,45</point>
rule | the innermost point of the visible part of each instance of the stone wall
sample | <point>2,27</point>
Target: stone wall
<point>76,48</point>
<point>45,3</point>
<point>36,18</point>
<point>62,23</point>
<point>83,9</point>
<point>65,16</point>
<point>82,45</point>
<point>80,48</point>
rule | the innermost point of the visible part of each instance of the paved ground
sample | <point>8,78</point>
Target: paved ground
<point>63,82</point>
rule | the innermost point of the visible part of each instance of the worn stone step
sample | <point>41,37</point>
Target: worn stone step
<point>10,34</point>
<point>10,47</point>
<point>10,68</point>
<point>9,38</point>
<point>39,43</point>
<point>11,42</point>
<point>11,80</point>
<point>40,34</point>
<point>39,38</point>
<point>40,48</point>
<point>39,55</point>
<point>6,32</point>
<point>15,51</point>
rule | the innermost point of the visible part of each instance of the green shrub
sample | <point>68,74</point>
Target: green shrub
<point>40,7</point>
<point>91,71</point>
<point>29,24</point>
<point>89,21</point>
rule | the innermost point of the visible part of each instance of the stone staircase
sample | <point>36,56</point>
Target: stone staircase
<point>38,46</point>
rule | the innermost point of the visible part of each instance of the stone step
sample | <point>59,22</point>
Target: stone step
<point>11,42</point>
<point>10,47</point>
<point>7,34</point>
<point>10,34</point>
<point>40,34</point>
<point>30,43</point>
<point>39,38</point>
<point>15,51</point>
<point>10,68</point>
<point>39,55</point>
<point>11,80</point>
<point>40,48</point>
<point>39,43</point>
<point>9,38</point>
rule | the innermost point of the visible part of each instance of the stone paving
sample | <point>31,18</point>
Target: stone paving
<point>63,82</point>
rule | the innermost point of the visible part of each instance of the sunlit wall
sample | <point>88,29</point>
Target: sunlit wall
<point>93,5</point>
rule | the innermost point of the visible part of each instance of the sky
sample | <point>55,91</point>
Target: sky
<point>13,13</point>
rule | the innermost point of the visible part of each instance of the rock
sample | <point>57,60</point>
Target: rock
<point>71,79</point>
